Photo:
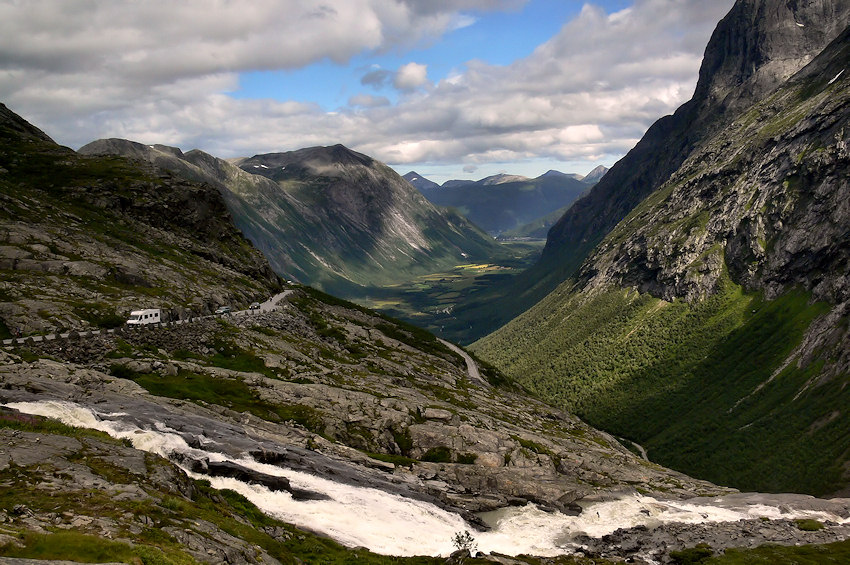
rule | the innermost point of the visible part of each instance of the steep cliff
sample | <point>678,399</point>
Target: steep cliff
<point>754,49</point>
<point>710,325</point>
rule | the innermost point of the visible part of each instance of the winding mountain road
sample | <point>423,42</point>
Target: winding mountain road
<point>471,365</point>
<point>266,306</point>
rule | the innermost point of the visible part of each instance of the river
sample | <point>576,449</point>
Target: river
<point>394,525</point>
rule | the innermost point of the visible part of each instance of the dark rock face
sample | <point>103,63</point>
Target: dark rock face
<point>759,45</point>
<point>772,194</point>
<point>13,122</point>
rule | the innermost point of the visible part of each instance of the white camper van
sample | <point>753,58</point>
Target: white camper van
<point>142,317</point>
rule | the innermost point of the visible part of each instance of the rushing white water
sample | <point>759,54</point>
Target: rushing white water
<point>394,525</point>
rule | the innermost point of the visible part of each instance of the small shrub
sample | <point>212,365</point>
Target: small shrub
<point>809,525</point>
<point>122,372</point>
<point>403,440</point>
<point>464,541</point>
<point>439,454</point>
<point>467,458</point>
<point>692,555</point>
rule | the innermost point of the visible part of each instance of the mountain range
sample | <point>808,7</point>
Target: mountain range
<point>326,216</point>
<point>503,202</point>
<point>693,307</point>
<point>706,311</point>
<point>156,444</point>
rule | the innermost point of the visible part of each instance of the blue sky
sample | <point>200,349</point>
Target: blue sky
<point>449,88</point>
<point>497,38</point>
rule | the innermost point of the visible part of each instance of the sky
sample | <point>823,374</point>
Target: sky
<point>448,88</point>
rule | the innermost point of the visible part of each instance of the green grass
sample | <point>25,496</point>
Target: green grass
<point>692,555</point>
<point>74,546</point>
<point>837,553</point>
<point>230,393</point>
<point>809,525</point>
<point>683,381</point>
<point>39,424</point>
<point>230,356</point>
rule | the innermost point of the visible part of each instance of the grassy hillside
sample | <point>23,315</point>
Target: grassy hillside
<point>705,388</point>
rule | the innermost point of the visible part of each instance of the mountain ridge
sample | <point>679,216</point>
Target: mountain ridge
<point>740,66</point>
<point>714,315</point>
<point>328,216</point>
<point>504,202</point>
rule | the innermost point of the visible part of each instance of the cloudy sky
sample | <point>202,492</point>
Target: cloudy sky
<point>449,88</point>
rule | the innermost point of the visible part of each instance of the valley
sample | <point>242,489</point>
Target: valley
<point>434,301</point>
<point>662,380</point>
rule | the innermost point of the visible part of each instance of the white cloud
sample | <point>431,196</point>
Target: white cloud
<point>411,76</point>
<point>368,101</point>
<point>159,71</point>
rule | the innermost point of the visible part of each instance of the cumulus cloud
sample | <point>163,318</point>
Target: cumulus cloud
<point>377,78</point>
<point>470,168</point>
<point>411,76</point>
<point>368,101</point>
<point>159,71</point>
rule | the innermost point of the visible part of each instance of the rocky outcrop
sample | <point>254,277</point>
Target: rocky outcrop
<point>767,197</point>
<point>755,49</point>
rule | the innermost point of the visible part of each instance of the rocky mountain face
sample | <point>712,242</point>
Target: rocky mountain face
<point>371,228</point>
<point>258,205</point>
<point>326,216</point>
<point>754,49</point>
<point>114,237</point>
<point>503,202</point>
<point>715,314</point>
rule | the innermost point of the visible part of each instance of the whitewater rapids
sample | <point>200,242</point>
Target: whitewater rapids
<point>394,525</point>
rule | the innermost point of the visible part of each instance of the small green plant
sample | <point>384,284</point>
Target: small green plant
<point>809,525</point>
<point>439,454</point>
<point>467,458</point>
<point>692,555</point>
<point>403,440</point>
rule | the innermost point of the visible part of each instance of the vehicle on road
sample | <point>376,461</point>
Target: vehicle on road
<point>144,317</point>
<point>254,306</point>
<point>223,310</point>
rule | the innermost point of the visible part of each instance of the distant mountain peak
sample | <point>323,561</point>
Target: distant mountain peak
<point>553,174</point>
<point>596,174</point>
<point>419,182</point>
<point>502,178</point>
<point>322,160</point>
